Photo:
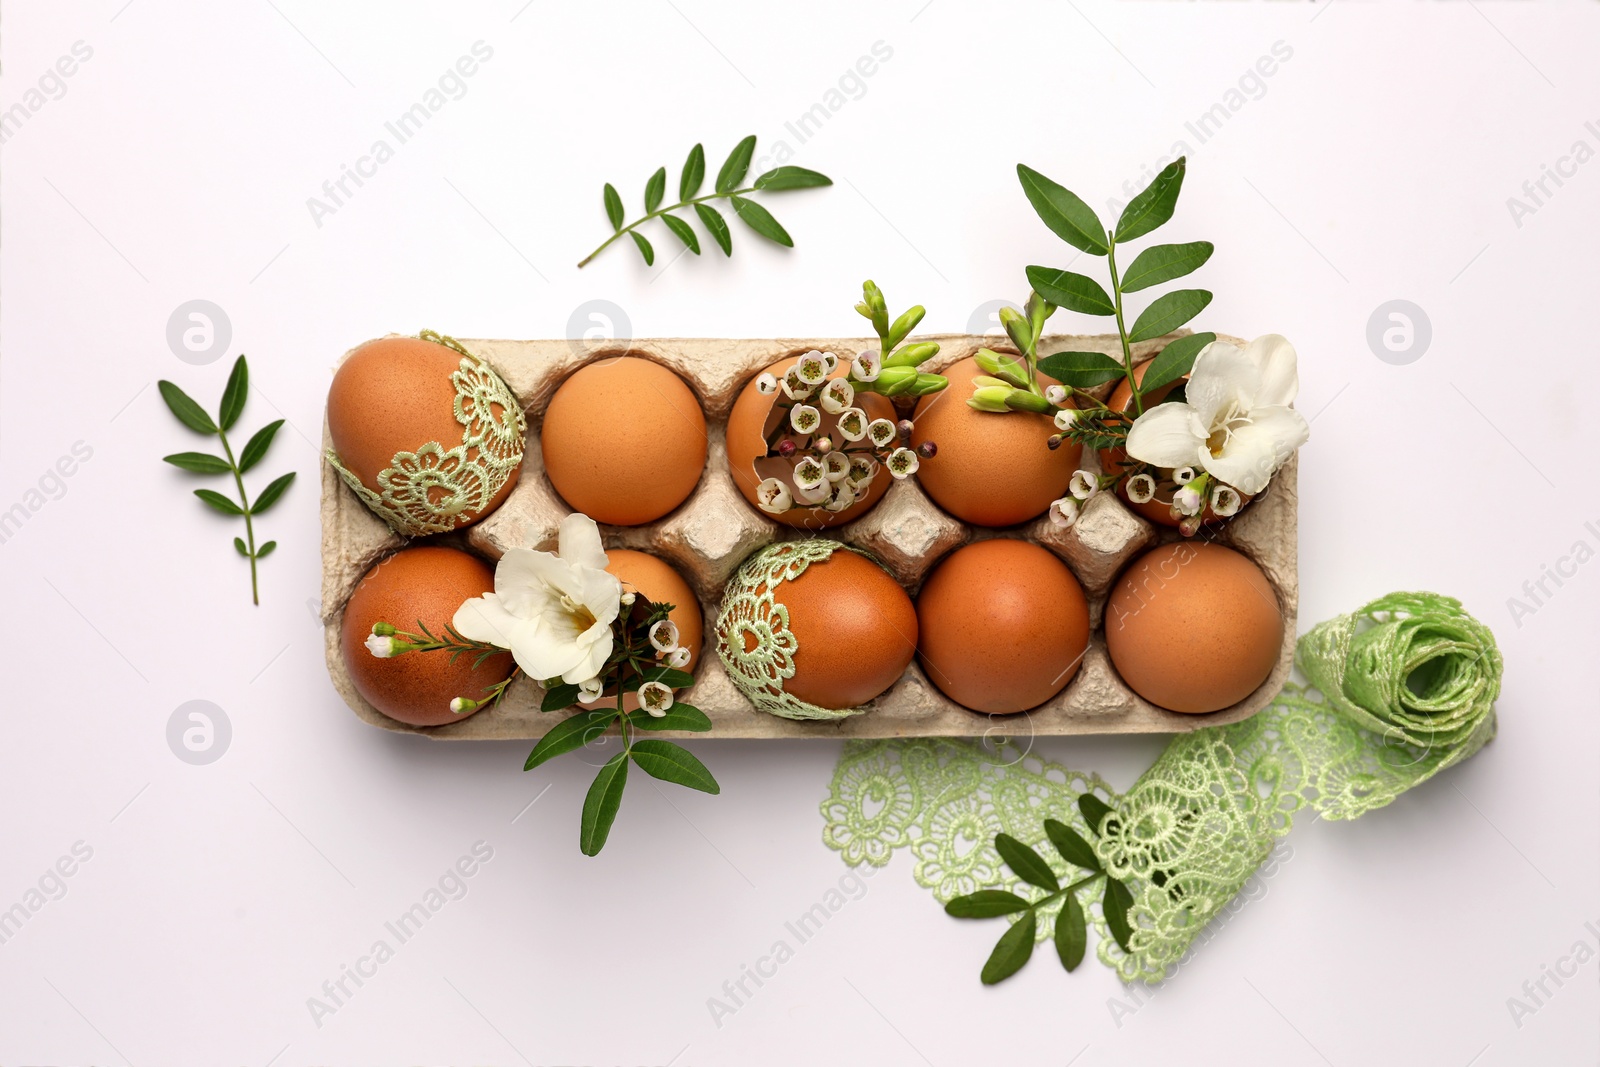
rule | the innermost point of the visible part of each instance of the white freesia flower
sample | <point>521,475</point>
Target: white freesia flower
<point>1236,422</point>
<point>553,610</point>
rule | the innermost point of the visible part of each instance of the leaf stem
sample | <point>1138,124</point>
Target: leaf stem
<point>244,502</point>
<point>658,212</point>
<point>1122,330</point>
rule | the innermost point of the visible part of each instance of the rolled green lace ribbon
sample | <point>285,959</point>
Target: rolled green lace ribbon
<point>1399,690</point>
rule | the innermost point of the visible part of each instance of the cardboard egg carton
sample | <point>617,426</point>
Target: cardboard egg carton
<point>715,530</point>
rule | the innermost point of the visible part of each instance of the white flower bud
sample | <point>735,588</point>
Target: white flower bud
<point>837,395</point>
<point>679,658</point>
<point>655,699</point>
<point>1056,394</point>
<point>852,425</point>
<point>1187,501</point>
<point>1225,500</point>
<point>1065,418</point>
<point>867,365</point>
<point>380,646</point>
<point>591,689</point>
<point>1064,512</point>
<point>766,384</point>
<point>664,635</point>
<point>903,463</point>
<point>836,466</point>
<point>805,418</point>
<point>809,473</point>
<point>628,599</point>
<point>1083,485</point>
<point>461,705</point>
<point>1141,488</point>
<point>773,496</point>
<point>882,432</point>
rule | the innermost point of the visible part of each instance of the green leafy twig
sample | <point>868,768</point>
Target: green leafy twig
<point>1015,946</point>
<point>727,188</point>
<point>195,417</point>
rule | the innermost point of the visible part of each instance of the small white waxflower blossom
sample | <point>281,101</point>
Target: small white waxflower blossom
<point>805,418</point>
<point>1187,501</point>
<point>882,432</point>
<point>903,463</point>
<point>1225,500</point>
<point>655,699</point>
<point>811,496</point>
<point>773,496</point>
<point>1083,485</point>
<point>1064,512</point>
<point>1056,394</point>
<point>852,424</point>
<point>867,365</point>
<point>1183,475</point>
<point>862,470</point>
<point>664,636</point>
<point>809,473</point>
<point>812,370</point>
<point>679,658</point>
<point>1141,488</point>
<point>461,705</point>
<point>793,387</point>
<point>591,689</point>
<point>831,360</point>
<point>380,646</point>
<point>767,384</point>
<point>836,466</point>
<point>841,497</point>
<point>627,599</point>
<point>1065,418</point>
<point>837,395</point>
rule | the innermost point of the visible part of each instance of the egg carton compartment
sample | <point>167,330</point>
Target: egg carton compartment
<point>708,536</point>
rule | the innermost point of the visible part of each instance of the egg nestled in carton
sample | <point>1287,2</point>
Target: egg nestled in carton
<point>426,434</point>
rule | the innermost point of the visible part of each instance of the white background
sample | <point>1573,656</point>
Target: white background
<point>1374,164</point>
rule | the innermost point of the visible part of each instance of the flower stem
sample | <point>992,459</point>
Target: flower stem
<point>658,212</point>
<point>1122,330</point>
<point>244,502</point>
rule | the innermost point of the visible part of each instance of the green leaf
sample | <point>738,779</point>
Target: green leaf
<point>1068,217</point>
<point>562,696</point>
<point>716,226</point>
<point>601,803</point>
<point>1115,904</point>
<point>1072,933</point>
<point>1080,369</point>
<point>760,220</point>
<point>673,763</point>
<point>1167,312</point>
<point>655,189</point>
<point>1094,811</point>
<point>613,207</point>
<point>188,412</point>
<point>1028,864</point>
<point>199,462</point>
<point>266,550</point>
<point>1153,206</point>
<point>234,395</point>
<point>683,232</point>
<point>570,734</point>
<point>1011,951</point>
<point>680,716</point>
<point>986,904</point>
<point>733,171</point>
<point>780,178</point>
<point>269,496</point>
<point>238,542</point>
<point>219,502</point>
<point>1174,361</point>
<point>1075,292</point>
<point>645,250</point>
<point>1162,263</point>
<point>256,448</point>
<point>1073,848</point>
<point>694,172</point>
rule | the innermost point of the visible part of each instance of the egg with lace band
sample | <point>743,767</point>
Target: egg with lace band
<point>814,630</point>
<point>624,440</point>
<point>427,435</point>
<point>416,592</point>
<point>1193,627</point>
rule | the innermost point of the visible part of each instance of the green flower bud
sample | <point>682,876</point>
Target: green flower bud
<point>913,355</point>
<point>990,398</point>
<point>904,325</point>
<point>872,296</point>
<point>384,629</point>
<point>1038,309</point>
<point>928,383</point>
<point>1023,400</point>
<point>1017,328</point>
<point>1009,369</point>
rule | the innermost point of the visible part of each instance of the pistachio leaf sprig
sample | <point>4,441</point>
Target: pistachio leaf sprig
<point>726,187</point>
<point>192,415</point>
<point>1015,946</point>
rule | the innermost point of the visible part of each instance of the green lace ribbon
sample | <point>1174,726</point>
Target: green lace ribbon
<point>1399,691</point>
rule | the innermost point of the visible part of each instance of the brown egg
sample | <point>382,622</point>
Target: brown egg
<point>753,415</point>
<point>655,579</point>
<point>1158,509</point>
<point>992,469</point>
<point>1004,626</point>
<point>394,398</point>
<point>624,440</point>
<point>1193,627</point>
<point>855,627</point>
<point>426,584</point>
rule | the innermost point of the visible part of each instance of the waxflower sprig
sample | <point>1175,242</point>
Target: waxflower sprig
<point>733,171</point>
<point>386,642</point>
<point>192,415</point>
<point>834,450</point>
<point>1015,946</point>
